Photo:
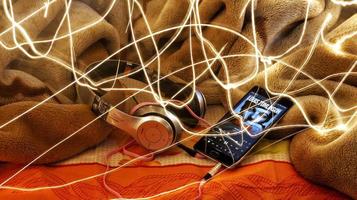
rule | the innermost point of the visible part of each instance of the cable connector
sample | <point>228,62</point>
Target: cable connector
<point>205,179</point>
<point>212,172</point>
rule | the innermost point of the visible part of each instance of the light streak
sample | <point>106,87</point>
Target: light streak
<point>206,46</point>
<point>337,46</point>
<point>47,4</point>
<point>345,3</point>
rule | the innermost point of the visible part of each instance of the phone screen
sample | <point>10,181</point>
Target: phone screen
<point>233,140</point>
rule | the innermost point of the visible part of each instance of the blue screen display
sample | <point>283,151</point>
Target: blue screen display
<point>257,112</point>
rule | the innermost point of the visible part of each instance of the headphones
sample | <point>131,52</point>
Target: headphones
<point>151,126</point>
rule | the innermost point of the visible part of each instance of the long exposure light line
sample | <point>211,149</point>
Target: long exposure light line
<point>191,20</point>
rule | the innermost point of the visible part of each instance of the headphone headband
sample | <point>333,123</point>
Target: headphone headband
<point>110,69</point>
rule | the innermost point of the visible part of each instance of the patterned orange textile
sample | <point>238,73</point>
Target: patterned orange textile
<point>267,180</point>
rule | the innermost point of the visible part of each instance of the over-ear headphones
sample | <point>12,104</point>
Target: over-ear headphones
<point>152,126</point>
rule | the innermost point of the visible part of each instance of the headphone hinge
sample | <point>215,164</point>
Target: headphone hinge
<point>100,107</point>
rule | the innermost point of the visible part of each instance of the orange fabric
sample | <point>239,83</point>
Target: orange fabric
<point>267,180</point>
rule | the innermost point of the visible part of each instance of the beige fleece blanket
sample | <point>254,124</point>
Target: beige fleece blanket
<point>317,70</point>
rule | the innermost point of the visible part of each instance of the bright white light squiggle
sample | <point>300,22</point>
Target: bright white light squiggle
<point>345,3</point>
<point>192,21</point>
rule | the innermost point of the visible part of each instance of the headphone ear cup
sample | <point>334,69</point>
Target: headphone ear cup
<point>164,117</point>
<point>154,133</point>
<point>198,105</point>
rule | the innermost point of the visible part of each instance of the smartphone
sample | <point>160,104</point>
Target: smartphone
<point>232,140</point>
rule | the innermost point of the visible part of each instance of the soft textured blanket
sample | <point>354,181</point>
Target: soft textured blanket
<point>264,180</point>
<point>309,50</point>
